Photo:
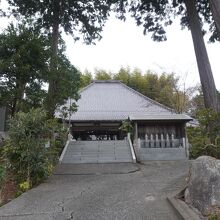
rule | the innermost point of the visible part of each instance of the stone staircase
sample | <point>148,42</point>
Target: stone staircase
<point>97,152</point>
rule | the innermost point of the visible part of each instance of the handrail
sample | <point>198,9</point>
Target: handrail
<point>64,151</point>
<point>132,150</point>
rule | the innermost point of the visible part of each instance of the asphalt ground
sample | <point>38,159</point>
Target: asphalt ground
<point>103,192</point>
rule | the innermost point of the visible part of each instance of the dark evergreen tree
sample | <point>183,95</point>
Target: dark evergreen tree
<point>215,8</point>
<point>24,70</point>
<point>23,64</point>
<point>154,16</point>
<point>82,19</point>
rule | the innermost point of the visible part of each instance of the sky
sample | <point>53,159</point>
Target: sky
<point>123,44</point>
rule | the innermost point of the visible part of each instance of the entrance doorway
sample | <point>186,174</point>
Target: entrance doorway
<point>97,131</point>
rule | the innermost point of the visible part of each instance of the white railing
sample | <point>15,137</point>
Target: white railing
<point>131,148</point>
<point>161,141</point>
<point>64,151</point>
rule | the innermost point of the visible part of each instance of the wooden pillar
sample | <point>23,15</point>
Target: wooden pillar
<point>136,131</point>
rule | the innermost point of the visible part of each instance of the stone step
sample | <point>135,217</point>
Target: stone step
<point>97,143</point>
<point>97,152</point>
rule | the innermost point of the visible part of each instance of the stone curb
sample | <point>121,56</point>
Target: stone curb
<point>95,169</point>
<point>183,211</point>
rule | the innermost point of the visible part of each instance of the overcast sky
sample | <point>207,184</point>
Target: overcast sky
<point>123,44</point>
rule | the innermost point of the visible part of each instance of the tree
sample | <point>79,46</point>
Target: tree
<point>197,103</point>
<point>28,154</point>
<point>35,95</point>
<point>152,87</point>
<point>154,16</point>
<point>209,12</point>
<point>81,19</point>
<point>204,139</point>
<point>85,79</point>
<point>23,65</point>
<point>69,84</point>
<point>102,75</point>
<point>136,81</point>
<point>164,89</point>
<point>206,76</point>
<point>24,71</point>
<point>215,6</point>
<point>183,96</point>
<point>123,75</point>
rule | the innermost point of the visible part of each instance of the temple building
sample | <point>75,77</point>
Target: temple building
<point>157,132</point>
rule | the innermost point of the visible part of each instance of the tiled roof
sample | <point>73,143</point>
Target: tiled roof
<point>148,117</point>
<point>113,100</point>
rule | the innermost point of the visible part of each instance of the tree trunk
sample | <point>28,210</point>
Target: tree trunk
<point>205,71</point>
<point>215,7</point>
<point>52,90</point>
<point>19,95</point>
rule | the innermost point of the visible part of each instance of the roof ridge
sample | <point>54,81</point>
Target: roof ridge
<point>106,81</point>
<point>86,87</point>
<point>149,99</point>
<point>98,81</point>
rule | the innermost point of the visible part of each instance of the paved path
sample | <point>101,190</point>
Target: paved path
<point>139,194</point>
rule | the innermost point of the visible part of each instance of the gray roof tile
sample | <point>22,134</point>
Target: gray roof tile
<point>113,100</point>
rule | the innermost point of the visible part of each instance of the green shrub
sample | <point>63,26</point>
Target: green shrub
<point>126,126</point>
<point>2,180</point>
<point>205,139</point>
<point>2,175</point>
<point>58,137</point>
<point>213,216</point>
<point>27,153</point>
<point>2,165</point>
